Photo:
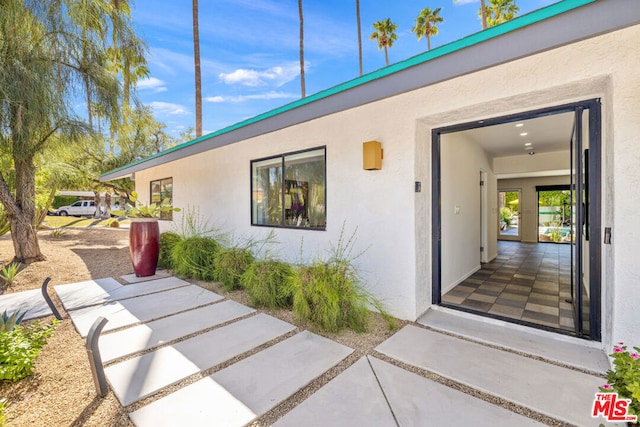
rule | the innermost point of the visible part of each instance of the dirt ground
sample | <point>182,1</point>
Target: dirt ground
<point>61,391</point>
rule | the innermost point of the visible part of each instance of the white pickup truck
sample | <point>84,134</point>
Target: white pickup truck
<point>79,208</point>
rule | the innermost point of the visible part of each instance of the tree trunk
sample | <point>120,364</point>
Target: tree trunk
<point>428,42</point>
<point>302,85</point>
<point>96,202</point>
<point>386,55</point>
<point>126,91</point>
<point>21,212</point>
<point>483,11</point>
<point>107,203</point>
<point>359,34</point>
<point>196,60</point>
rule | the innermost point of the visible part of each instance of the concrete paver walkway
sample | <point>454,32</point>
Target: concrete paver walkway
<point>171,330</point>
<point>143,308</point>
<point>153,334</point>
<point>245,390</point>
<point>32,301</point>
<point>99,291</point>
<point>554,347</point>
<point>375,393</point>
<point>142,376</point>
<point>561,393</point>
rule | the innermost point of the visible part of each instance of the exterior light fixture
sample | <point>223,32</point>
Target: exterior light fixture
<point>372,155</point>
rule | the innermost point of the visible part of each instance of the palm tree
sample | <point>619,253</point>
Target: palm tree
<point>302,88</point>
<point>426,24</point>
<point>196,61</point>
<point>499,11</point>
<point>359,34</point>
<point>483,14</point>
<point>385,34</point>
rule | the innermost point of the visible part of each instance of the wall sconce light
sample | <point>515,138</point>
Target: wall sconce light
<point>372,155</point>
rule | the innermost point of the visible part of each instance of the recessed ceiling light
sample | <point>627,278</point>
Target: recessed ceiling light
<point>527,144</point>
<point>531,153</point>
<point>524,134</point>
<point>519,125</point>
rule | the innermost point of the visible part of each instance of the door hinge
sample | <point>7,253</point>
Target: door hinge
<point>481,248</point>
<point>481,183</point>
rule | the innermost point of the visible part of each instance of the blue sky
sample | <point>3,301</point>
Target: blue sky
<point>250,50</point>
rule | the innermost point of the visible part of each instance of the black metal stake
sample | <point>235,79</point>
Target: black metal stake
<point>47,298</point>
<point>95,361</point>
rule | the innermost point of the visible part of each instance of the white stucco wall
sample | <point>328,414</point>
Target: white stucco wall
<point>378,203</point>
<point>394,220</point>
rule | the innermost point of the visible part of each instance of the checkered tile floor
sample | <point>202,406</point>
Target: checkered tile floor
<point>530,282</point>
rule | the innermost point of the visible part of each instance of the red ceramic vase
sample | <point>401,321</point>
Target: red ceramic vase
<point>144,245</point>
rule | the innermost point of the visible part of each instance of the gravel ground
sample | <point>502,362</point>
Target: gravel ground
<point>61,391</point>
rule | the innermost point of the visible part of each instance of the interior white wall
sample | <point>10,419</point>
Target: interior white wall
<point>461,163</point>
<point>529,200</point>
<point>554,161</point>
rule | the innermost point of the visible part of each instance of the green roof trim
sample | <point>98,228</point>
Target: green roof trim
<point>473,39</point>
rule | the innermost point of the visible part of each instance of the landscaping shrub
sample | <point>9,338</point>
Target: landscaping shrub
<point>167,241</point>
<point>19,349</point>
<point>266,283</point>
<point>229,265</point>
<point>193,257</point>
<point>624,378</point>
<point>327,294</point>
<point>63,201</point>
<point>9,272</point>
<point>57,233</point>
<point>8,322</point>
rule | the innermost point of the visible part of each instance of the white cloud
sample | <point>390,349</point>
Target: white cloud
<point>259,96</point>
<point>153,84</point>
<point>168,108</point>
<point>274,75</point>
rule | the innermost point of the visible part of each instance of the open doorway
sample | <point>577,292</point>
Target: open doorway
<point>509,211</point>
<point>521,277</point>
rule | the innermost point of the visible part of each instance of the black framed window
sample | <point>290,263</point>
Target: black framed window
<point>289,190</point>
<point>162,189</point>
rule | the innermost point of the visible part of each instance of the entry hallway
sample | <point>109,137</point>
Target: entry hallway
<point>529,282</point>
